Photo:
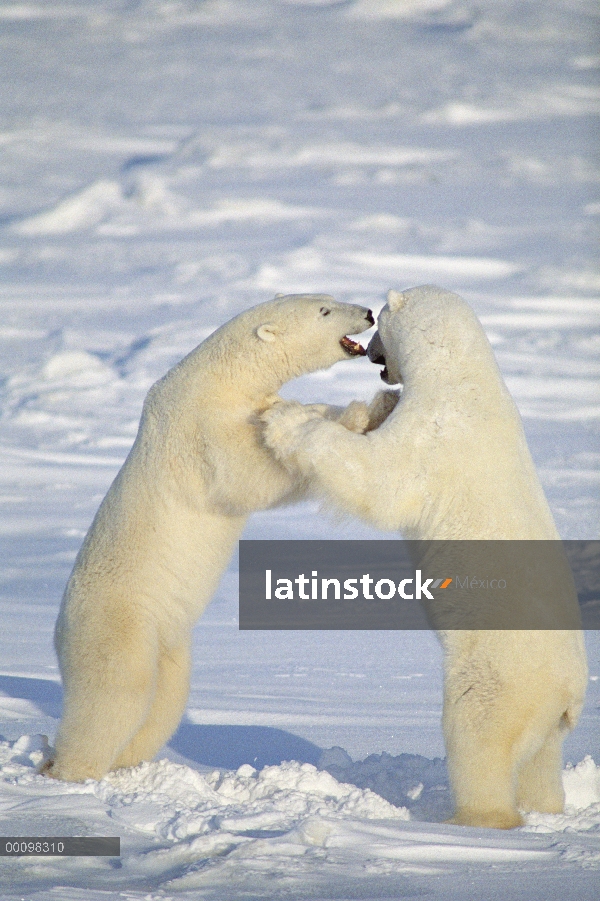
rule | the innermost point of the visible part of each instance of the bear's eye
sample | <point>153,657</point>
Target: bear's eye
<point>324,311</point>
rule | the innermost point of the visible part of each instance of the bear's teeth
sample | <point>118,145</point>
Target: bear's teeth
<point>353,347</point>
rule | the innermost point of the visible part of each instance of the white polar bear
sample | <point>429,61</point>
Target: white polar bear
<point>169,523</point>
<point>451,462</point>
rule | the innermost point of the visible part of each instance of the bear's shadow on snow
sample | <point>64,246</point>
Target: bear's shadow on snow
<point>44,693</point>
<point>229,747</point>
<point>408,780</point>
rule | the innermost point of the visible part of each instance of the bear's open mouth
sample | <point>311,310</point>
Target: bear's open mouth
<point>379,360</point>
<point>353,348</point>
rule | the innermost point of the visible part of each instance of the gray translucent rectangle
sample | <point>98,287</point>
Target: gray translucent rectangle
<point>60,846</point>
<point>447,585</point>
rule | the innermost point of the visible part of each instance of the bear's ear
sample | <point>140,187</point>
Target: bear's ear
<point>279,296</point>
<point>395,300</point>
<point>267,332</point>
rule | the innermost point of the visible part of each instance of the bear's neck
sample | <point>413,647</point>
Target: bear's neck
<point>475,366</point>
<point>233,373</point>
<point>263,385</point>
<point>243,389</point>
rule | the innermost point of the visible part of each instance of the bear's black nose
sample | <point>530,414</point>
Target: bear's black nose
<point>370,318</point>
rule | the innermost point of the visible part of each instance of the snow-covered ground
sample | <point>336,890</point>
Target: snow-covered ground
<point>163,165</point>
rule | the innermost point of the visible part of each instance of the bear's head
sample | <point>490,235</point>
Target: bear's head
<point>301,333</point>
<point>430,331</point>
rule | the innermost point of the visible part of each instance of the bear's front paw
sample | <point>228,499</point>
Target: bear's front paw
<point>355,417</point>
<point>380,408</point>
<point>283,426</point>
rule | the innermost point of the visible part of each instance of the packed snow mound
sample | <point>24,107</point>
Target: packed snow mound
<point>421,786</point>
<point>408,780</point>
<point>81,210</point>
<point>78,368</point>
<point>582,803</point>
<point>27,751</point>
<point>291,830</point>
<point>173,801</point>
<point>582,784</point>
<point>179,802</point>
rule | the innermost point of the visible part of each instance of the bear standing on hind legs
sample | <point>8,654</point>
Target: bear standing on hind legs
<point>450,464</point>
<point>165,531</point>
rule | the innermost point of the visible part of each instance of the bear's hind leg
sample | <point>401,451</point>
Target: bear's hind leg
<point>483,787</point>
<point>482,753</point>
<point>540,785</point>
<point>104,706</point>
<point>504,755</point>
<point>168,706</point>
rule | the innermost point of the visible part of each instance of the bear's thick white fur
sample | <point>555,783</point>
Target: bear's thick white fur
<point>451,462</point>
<point>167,527</point>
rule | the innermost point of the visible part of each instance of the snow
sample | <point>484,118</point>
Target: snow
<point>285,826</point>
<point>165,164</point>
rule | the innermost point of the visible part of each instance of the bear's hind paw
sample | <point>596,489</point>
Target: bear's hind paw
<point>488,819</point>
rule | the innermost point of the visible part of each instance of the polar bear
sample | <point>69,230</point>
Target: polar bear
<point>169,523</point>
<point>451,462</point>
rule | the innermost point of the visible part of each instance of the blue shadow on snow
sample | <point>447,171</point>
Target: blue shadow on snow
<point>44,693</point>
<point>228,747</point>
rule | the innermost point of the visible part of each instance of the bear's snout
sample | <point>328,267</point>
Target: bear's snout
<point>375,350</point>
